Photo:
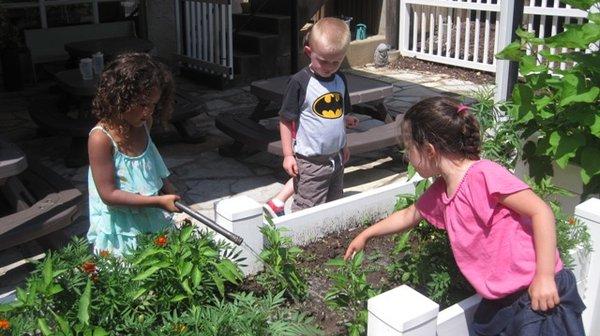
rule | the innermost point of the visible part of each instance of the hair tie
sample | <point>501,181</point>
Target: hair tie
<point>462,108</point>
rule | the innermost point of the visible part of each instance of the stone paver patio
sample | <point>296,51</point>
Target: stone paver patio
<point>200,174</point>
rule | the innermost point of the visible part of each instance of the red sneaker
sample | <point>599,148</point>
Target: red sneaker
<point>273,210</point>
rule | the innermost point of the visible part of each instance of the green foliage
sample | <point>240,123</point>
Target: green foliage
<point>571,233</point>
<point>560,108</point>
<point>422,258</point>
<point>245,314</point>
<point>350,291</point>
<point>500,139</point>
<point>187,269</point>
<point>281,258</point>
<point>180,276</point>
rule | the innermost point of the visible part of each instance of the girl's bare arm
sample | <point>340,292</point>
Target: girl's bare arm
<point>543,291</point>
<point>397,222</point>
<point>103,172</point>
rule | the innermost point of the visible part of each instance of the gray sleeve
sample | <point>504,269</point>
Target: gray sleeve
<point>347,103</point>
<point>293,98</point>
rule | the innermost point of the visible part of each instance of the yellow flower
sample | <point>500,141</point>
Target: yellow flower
<point>179,328</point>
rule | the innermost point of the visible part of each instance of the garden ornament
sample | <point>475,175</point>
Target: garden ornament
<point>381,55</point>
<point>361,31</point>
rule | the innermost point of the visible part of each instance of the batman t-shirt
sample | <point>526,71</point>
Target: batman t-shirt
<point>317,105</point>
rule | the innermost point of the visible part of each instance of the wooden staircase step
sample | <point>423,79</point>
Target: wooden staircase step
<point>265,44</point>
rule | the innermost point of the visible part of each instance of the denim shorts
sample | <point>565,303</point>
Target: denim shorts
<point>513,316</point>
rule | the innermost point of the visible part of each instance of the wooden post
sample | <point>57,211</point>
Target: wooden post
<point>391,23</point>
<point>294,37</point>
<point>511,15</point>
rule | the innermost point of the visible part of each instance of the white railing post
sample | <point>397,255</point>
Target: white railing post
<point>402,311</point>
<point>589,213</point>
<point>511,12</point>
<point>404,27</point>
<point>244,217</point>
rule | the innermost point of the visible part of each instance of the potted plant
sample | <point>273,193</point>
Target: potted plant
<point>558,110</point>
<point>10,49</point>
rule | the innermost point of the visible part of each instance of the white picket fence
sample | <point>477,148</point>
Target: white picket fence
<point>205,35</point>
<point>465,32</point>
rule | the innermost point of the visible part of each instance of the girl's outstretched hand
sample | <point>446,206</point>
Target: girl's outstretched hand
<point>543,293</point>
<point>167,202</point>
<point>356,245</point>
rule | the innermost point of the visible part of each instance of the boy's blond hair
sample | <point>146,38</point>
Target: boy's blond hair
<point>331,34</point>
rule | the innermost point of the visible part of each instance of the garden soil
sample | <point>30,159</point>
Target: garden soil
<point>312,263</point>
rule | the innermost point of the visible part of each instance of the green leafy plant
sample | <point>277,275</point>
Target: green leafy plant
<point>350,291</point>
<point>245,314</point>
<point>162,287</point>
<point>281,258</point>
<point>571,233</point>
<point>183,268</point>
<point>560,108</point>
<point>500,140</point>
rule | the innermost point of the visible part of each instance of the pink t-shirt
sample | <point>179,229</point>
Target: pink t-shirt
<point>493,245</point>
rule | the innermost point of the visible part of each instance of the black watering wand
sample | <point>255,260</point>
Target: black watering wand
<point>210,223</point>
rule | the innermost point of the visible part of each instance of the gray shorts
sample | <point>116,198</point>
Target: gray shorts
<point>320,179</point>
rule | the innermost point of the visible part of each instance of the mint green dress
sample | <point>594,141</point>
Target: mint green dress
<point>114,228</point>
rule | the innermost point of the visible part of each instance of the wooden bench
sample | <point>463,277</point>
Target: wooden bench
<point>254,135</point>
<point>374,138</point>
<point>34,203</point>
<point>46,112</point>
<point>48,45</point>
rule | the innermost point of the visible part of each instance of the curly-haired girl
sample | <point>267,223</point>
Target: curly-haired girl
<point>502,234</point>
<point>126,171</point>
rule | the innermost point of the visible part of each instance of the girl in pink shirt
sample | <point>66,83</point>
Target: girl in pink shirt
<point>502,235</point>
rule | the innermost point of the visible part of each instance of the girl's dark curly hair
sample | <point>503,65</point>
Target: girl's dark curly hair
<point>446,124</point>
<point>128,81</point>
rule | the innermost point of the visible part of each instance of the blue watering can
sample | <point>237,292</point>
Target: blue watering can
<point>361,31</point>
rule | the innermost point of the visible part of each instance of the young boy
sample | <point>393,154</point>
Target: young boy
<point>311,124</point>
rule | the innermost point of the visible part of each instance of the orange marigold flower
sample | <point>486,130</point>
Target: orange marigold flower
<point>572,221</point>
<point>104,253</point>
<point>4,325</point>
<point>89,267</point>
<point>160,241</point>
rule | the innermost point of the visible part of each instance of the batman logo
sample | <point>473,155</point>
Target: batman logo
<point>329,105</point>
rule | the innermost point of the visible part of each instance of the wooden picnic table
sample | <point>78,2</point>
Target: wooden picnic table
<point>110,47</point>
<point>72,83</point>
<point>361,89</point>
<point>12,160</point>
<point>249,132</point>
